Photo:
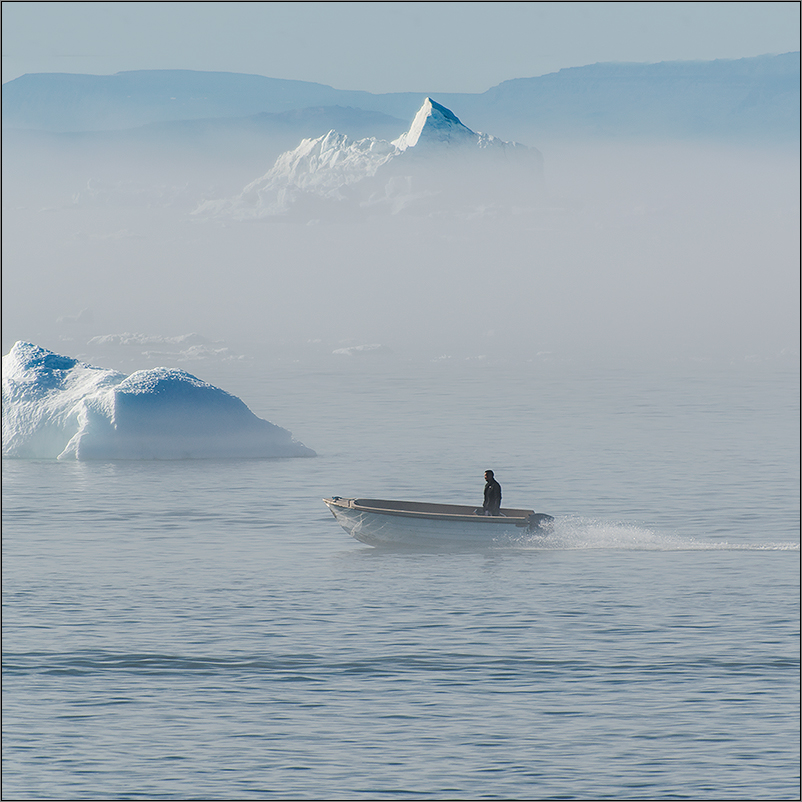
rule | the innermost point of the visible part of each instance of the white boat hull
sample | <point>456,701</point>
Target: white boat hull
<point>393,523</point>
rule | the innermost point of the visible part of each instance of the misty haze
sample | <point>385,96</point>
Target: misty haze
<point>642,246</point>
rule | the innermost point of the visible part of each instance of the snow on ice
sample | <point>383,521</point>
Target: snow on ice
<point>57,407</point>
<point>438,159</point>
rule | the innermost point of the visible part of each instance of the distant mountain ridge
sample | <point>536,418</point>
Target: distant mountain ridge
<point>752,97</point>
<point>678,98</point>
<point>74,102</point>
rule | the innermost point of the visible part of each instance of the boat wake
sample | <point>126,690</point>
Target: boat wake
<point>568,533</point>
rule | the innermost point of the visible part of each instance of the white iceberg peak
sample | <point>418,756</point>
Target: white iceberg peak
<point>434,124</point>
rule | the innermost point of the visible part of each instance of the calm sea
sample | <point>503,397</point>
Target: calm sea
<point>206,630</point>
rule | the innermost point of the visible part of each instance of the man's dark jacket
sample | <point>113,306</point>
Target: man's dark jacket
<point>492,497</point>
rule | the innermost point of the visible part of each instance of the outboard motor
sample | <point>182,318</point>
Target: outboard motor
<point>539,522</point>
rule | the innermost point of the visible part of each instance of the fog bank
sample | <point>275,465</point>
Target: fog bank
<point>649,250</point>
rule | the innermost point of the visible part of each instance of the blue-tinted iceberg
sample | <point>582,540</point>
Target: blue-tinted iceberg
<point>57,407</point>
<point>437,159</point>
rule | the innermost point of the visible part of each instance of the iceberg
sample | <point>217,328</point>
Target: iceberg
<point>374,349</point>
<point>438,156</point>
<point>55,407</point>
<point>436,126</point>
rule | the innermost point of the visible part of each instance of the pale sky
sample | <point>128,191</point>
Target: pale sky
<point>384,47</point>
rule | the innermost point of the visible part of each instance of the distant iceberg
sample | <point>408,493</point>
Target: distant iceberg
<point>439,161</point>
<point>57,407</point>
<point>362,350</point>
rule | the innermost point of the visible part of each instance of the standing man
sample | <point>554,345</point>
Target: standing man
<point>492,505</point>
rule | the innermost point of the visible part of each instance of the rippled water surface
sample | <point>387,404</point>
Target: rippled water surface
<point>205,629</point>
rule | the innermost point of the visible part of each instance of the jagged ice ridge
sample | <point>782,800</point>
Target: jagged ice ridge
<point>435,154</point>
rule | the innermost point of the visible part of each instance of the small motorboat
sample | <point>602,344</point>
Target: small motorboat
<point>380,522</point>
